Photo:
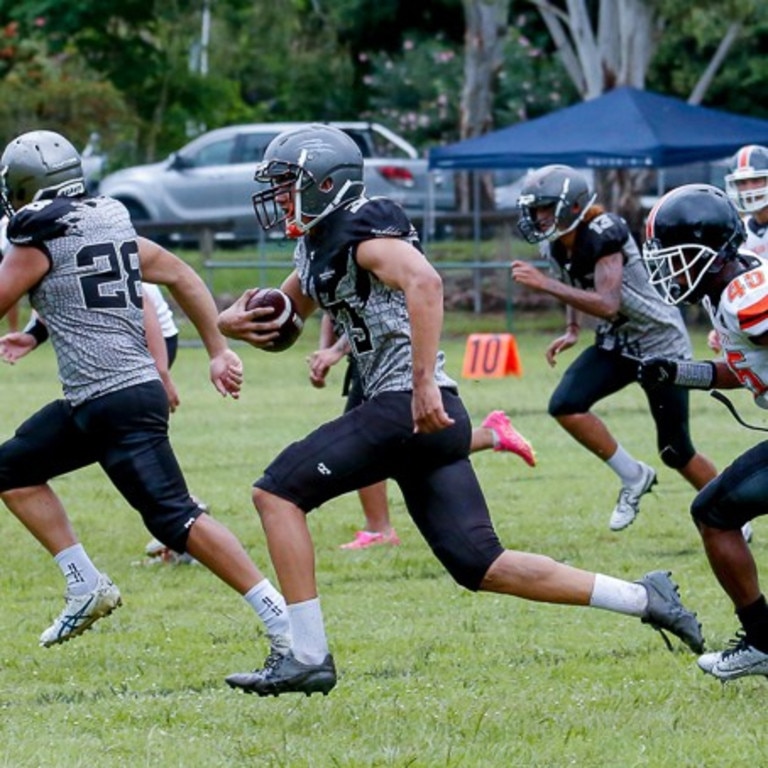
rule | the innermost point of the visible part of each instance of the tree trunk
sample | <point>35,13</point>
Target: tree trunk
<point>618,53</point>
<point>486,29</point>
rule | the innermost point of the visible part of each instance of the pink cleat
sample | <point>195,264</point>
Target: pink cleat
<point>508,438</point>
<point>365,539</point>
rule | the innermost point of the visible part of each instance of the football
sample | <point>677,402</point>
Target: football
<point>284,312</point>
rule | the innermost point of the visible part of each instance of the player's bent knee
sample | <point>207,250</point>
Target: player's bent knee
<point>706,512</point>
<point>561,406</point>
<point>468,572</point>
<point>676,457</point>
<point>173,529</point>
<point>262,500</point>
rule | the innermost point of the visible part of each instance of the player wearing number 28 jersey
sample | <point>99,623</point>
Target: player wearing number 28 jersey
<point>81,262</point>
<point>91,245</point>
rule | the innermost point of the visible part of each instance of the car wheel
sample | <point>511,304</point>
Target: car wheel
<point>140,219</point>
<point>136,211</point>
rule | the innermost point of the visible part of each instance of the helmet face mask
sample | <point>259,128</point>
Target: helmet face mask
<point>676,271</point>
<point>39,165</point>
<point>691,233</point>
<point>552,202</point>
<point>747,181</point>
<point>310,172</point>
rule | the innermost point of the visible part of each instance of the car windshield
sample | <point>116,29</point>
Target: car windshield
<point>215,153</point>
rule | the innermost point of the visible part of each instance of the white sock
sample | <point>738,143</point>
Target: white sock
<point>270,605</point>
<point>619,596</point>
<point>625,466</point>
<point>81,574</point>
<point>310,645</point>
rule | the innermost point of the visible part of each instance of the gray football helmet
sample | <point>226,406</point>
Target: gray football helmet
<point>311,171</point>
<point>39,165</point>
<point>691,232</point>
<point>559,187</point>
<point>749,164</point>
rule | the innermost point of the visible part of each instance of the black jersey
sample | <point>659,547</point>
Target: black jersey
<point>373,316</point>
<point>645,324</point>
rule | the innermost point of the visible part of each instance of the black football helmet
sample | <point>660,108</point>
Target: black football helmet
<point>750,163</point>
<point>559,187</point>
<point>320,166</point>
<point>690,232</point>
<point>36,166</point>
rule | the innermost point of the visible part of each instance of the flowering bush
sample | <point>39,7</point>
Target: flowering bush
<point>418,91</point>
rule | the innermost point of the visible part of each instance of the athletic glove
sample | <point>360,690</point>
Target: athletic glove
<point>655,372</point>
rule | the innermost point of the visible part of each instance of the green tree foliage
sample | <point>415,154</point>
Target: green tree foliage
<point>128,69</point>
<point>691,36</point>
<point>142,50</point>
<point>290,63</point>
<point>42,91</point>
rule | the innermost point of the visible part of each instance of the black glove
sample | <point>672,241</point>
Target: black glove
<point>655,372</point>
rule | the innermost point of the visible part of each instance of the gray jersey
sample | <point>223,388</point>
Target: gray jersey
<point>90,299</point>
<point>645,325</point>
<point>373,316</point>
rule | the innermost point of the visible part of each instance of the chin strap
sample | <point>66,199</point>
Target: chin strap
<point>720,397</point>
<point>293,231</point>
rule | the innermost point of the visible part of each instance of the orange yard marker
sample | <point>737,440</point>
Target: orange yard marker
<point>491,356</point>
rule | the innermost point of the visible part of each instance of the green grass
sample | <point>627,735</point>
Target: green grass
<point>430,675</point>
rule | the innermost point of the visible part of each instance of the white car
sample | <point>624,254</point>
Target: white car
<point>210,180</point>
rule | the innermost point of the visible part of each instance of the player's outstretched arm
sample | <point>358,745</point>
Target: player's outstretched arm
<point>160,266</point>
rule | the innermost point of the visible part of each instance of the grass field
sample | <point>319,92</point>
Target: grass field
<point>430,675</point>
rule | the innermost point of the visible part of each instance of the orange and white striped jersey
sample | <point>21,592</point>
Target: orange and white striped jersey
<point>740,316</point>
<point>757,237</point>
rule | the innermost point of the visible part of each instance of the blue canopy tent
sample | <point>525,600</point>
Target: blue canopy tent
<point>624,128</point>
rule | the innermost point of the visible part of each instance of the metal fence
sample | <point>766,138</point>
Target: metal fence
<point>478,284</point>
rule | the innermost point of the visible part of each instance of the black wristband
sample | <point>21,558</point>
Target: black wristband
<point>694,375</point>
<point>37,329</point>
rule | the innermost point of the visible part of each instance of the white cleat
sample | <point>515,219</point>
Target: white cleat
<point>82,611</point>
<point>628,504</point>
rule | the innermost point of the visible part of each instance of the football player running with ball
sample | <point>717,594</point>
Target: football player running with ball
<point>360,260</point>
<point>81,262</point>
<point>693,255</point>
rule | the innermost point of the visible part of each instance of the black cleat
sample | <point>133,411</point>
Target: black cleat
<point>282,673</point>
<point>666,611</point>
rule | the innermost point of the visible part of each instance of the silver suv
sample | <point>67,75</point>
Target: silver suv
<point>210,180</point>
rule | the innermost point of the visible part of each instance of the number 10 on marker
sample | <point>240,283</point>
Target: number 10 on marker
<point>491,355</point>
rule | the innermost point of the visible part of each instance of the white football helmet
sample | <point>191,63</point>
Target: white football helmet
<point>749,164</point>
